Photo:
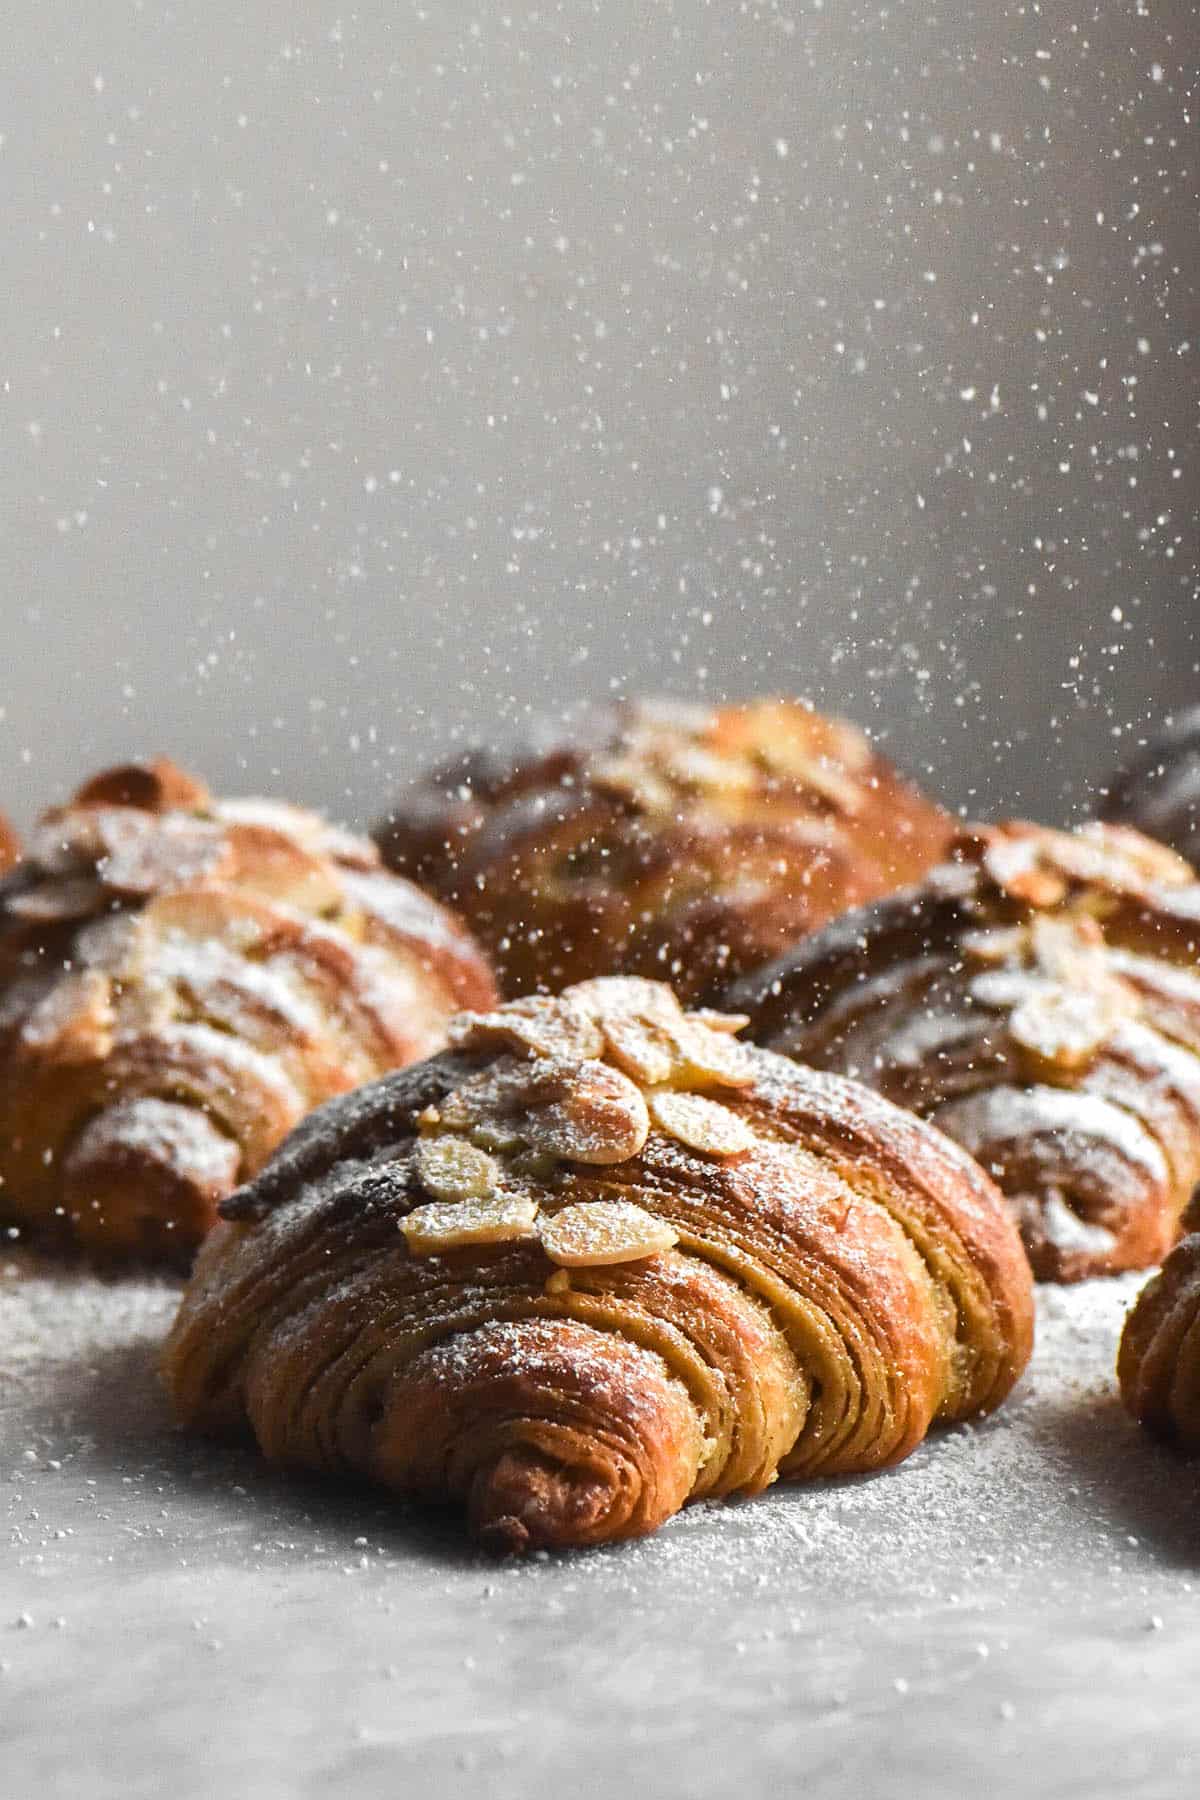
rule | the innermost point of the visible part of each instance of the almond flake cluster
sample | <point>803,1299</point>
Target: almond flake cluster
<point>583,1078</point>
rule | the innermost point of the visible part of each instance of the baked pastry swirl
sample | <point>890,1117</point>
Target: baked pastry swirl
<point>663,840</point>
<point>595,1261</point>
<point>181,980</point>
<point>1158,1365</point>
<point>1159,792</point>
<point>1038,998</point>
<point>10,846</point>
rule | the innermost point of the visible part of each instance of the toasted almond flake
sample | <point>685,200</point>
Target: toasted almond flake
<point>1065,1028</point>
<point>600,1232</point>
<point>641,1047</point>
<point>695,767</point>
<point>653,1040</point>
<point>600,1118</point>
<point>458,1224</point>
<point>621,994</point>
<point>1014,865</point>
<point>631,779</point>
<point>701,1124</point>
<point>707,1058</point>
<point>51,901</point>
<point>584,1112</point>
<point>558,1283</point>
<point>74,1023</point>
<point>537,1024</point>
<point>728,1024</point>
<point>1000,945</point>
<point>783,756</point>
<point>452,1168</point>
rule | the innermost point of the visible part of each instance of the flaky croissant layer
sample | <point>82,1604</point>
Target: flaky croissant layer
<point>1037,998</point>
<point>1158,1365</point>
<point>597,1260</point>
<point>181,980</point>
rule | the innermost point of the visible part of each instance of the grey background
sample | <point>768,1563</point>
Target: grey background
<point>371,373</point>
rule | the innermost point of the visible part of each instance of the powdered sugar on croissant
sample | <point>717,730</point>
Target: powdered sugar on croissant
<point>181,980</point>
<point>598,1260</point>
<point>1038,999</point>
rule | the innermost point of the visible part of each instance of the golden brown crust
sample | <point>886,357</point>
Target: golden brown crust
<point>1158,1364</point>
<point>1038,999</point>
<point>673,842</point>
<point>596,1260</point>
<point>1158,792</point>
<point>10,845</point>
<point>181,980</point>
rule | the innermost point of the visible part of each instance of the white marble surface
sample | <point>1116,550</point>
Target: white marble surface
<point>1013,1612</point>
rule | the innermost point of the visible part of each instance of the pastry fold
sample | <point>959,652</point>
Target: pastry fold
<point>183,978</point>
<point>1158,1364</point>
<point>1037,998</point>
<point>662,840</point>
<point>595,1261</point>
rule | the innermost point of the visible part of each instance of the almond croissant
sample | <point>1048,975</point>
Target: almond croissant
<point>1159,792</point>
<point>663,840</point>
<point>1039,1000</point>
<point>181,980</point>
<point>598,1260</point>
<point>1158,1365</point>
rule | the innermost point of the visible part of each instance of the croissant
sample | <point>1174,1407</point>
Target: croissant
<point>595,1261</point>
<point>10,845</point>
<point>181,980</point>
<point>1158,1365</point>
<point>662,840</point>
<point>1038,998</point>
<point>1159,792</point>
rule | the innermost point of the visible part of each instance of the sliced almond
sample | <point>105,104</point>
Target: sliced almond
<point>584,1112</point>
<point>707,1058</point>
<point>641,1047</point>
<point>274,863</point>
<point>156,786</point>
<point>1014,864</point>
<point>599,1232</point>
<point>629,778</point>
<point>453,1168</point>
<point>537,1024</point>
<point>1064,1028</point>
<point>458,1224</point>
<point>783,756</point>
<point>1000,945</point>
<point>75,1022</point>
<point>692,766</point>
<point>653,1040</point>
<point>600,1117</point>
<point>701,1124</point>
<point>54,902</point>
<point>612,995</point>
<point>728,1024</point>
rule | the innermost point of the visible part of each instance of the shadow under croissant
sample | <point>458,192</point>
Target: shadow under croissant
<point>113,1406</point>
<point>113,1403</point>
<point>1148,1488</point>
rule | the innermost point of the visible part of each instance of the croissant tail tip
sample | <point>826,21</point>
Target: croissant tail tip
<point>503,1537</point>
<point>527,1500</point>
